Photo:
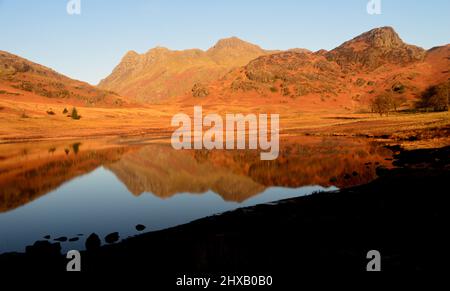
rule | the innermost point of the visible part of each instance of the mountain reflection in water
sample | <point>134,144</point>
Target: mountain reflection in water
<point>68,188</point>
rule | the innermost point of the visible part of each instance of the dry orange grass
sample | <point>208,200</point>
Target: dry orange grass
<point>30,121</point>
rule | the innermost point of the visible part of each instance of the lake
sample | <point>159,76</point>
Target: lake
<point>70,189</point>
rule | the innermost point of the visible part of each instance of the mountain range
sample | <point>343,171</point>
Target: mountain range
<point>234,71</point>
<point>345,78</point>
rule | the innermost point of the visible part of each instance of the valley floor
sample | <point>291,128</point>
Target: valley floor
<point>32,121</point>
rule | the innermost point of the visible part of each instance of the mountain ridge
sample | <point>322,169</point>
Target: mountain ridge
<point>21,79</point>
<point>161,73</point>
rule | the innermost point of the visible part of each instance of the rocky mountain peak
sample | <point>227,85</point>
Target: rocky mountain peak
<point>375,48</point>
<point>383,37</point>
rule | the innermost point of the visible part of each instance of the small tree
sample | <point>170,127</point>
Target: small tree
<point>74,114</point>
<point>382,104</point>
<point>65,111</point>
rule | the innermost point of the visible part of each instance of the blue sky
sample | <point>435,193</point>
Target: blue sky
<point>88,46</point>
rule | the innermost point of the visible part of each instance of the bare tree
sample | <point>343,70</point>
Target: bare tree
<point>382,104</point>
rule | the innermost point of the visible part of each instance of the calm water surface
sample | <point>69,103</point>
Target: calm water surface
<point>74,188</point>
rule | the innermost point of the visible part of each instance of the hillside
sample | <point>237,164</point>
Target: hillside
<point>162,73</point>
<point>344,79</point>
<point>22,80</point>
<point>372,49</point>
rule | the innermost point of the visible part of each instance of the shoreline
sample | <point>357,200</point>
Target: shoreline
<point>401,214</point>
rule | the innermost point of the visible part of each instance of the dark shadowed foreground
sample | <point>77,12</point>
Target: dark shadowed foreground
<point>402,214</point>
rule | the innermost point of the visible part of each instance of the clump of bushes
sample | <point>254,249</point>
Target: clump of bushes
<point>435,98</point>
<point>286,91</point>
<point>273,89</point>
<point>243,85</point>
<point>360,82</point>
<point>301,90</point>
<point>200,91</point>
<point>25,86</point>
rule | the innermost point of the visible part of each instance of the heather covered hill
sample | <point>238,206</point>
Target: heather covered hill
<point>162,73</point>
<point>23,80</point>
